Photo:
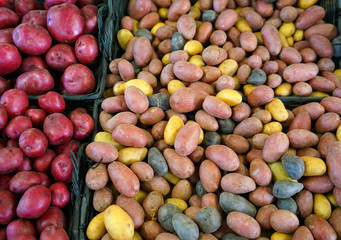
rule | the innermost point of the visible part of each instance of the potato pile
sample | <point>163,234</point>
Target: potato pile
<point>181,156</point>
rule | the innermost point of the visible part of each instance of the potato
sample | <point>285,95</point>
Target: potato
<point>186,26</point>
<point>185,227</point>
<point>284,221</point>
<point>214,55</point>
<point>333,163</point>
<point>321,46</point>
<point>310,17</point>
<point>334,220</point>
<point>209,219</point>
<point>314,109</point>
<point>187,100</point>
<point>206,121</point>
<point>301,138</point>
<point>327,64</point>
<point>308,55</point>
<point>114,104</point>
<point>237,143</point>
<point>275,146</point>
<point>209,175</point>
<point>177,9</point>
<point>130,135</point>
<point>165,214</point>
<point>149,20</point>
<point>237,183</point>
<point>211,74</point>
<point>157,161</point>
<point>290,55</point>
<point>230,202</point>
<point>243,224</point>
<point>182,190</point>
<point>254,154</point>
<point>130,186</point>
<point>236,53</point>
<point>97,178</point>
<point>216,107</point>
<point>260,95</point>
<point>233,35</point>
<point>133,208</point>
<point>226,20</point>
<point>261,196</point>
<point>203,32</point>
<point>330,104</point>
<point>192,212</point>
<point>180,166</point>
<point>187,139</point>
<point>300,72</point>
<point>263,216</point>
<point>158,184</point>
<point>271,39</point>
<point>218,37</point>
<point>143,171</point>
<point>328,122</point>
<point>260,172</point>
<point>255,20</point>
<point>101,151</point>
<point>102,199</point>
<point>211,199</point>
<point>96,228</point>
<point>224,157</point>
<point>277,110</point>
<point>248,41</point>
<point>165,32</point>
<point>302,233</point>
<point>151,116</point>
<point>124,226</point>
<point>240,112</point>
<point>319,227</point>
<point>302,89</point>
<point>325,29</point>
<point>179,55</point>
<point>150,230</point>
<point>248,127</point>
<point>263,115</point>
<point>166,236</point>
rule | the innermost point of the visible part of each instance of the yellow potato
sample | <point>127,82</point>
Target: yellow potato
<point>277,110</point>
<point>236,83</point>
<point>272,127</point>
<point>197,60</point>
<point>278,172</point>
<point>170,177</point>
<point>283,40</point>
<point>140,196</point>
<point>107,138</point>
<point>163,13</point>
<point>259,38</point>
<point>174,85</point>
<point>306,3</point>
<point>156,27</point>
<point>318,94</point>
<point>337,72</point>
<point>137,236</point>
<point>280,236</point>
<point>338,133</point>
<point>123,38</point>
<point>131,155</point>
<point>165,59</point>
<point>136,25</point>
<point>247,88</point>
<point>242,25</point>
<point>287,29</point>
<point>284,90</point>
<point>228,67</point>
<point>181,204</point>
<point>145,87</point>
<point>332,200</point>
<point>195,12</point>
<point>96,228</point>
<point>172,128</point>
<point>118,223</point>
<point>313,166</point>
<point>290,41</point>
<point>230,96</point>
<point>193,47</point>
<point>322,206</point>
<point>298,35</point>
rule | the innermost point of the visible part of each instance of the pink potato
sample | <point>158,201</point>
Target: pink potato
<point>52,216</point>
<point>10,58</point>
<point>16,156</point>
<point>83,124</point>
<point>43,162</point>
<point>22,181</point>
<point>62,168</point>
<point>78,79</point>
<point>60,56</point>
<point>35,82</point>
<point>33,62</point>
<point>65,31</point>
<point>35,17</point>
<point>187,139</point>
<point>130,135</point>
<point>8,204</point>
<point>60,194</point>
<point>17,126</point>
<point>53,232</point>
<point>52,102</point>
<point>20,227</point>
<point>33,142</point>
<point>8,18</point>
<point>31,39</point>
<point>22,7</point>
<point>34,202</point>
<point>86,49</point>
<point>89,12</point>
<point>36,115</point>
<point>58,128</point>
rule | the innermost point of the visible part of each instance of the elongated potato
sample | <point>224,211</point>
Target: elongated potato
<point>243,225</point>
<point>334,163</point>
<point>275,146</point>
<point>209,175</point>
<point>320,228</point>
<point>237,183</point>
<point>130,135</point>
<point>223,156</point>
<point>133,208</point>
<point>187,71</point>
<point>271,38</point>
<point>309,17</point>
<point>180,166</point>
<point>97,178</point>
<point>187,99</point>
<point>101,151</point>
<point>187,139</point>
<point>300,72</point>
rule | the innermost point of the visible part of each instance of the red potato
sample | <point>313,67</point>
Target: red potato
<point>35,17</point>
<point>3,117</point>
<point>271,39</point>
<point>217,107</point>
<point>52,216</point>
<point>58,128</point>
<point>60,56</point>
<point>320,228</point>
<point>32,62</point>
<point>4,86</point>
<point>53,232</point>
<point>8,204</point>
<point>19,227</point>
<point>60,195</point>
<point>322,46</point>
<point>78,79</point>
<point>43,163</point>
<point>25,35</point>
<point>223,156</point>
<point>10,60</point>
<point>34,202</point>
<point>6,36</point>
<point>82,3</point>
<point>35,82</point>
<point>33,142</point>
<point>334,163</point>
<point>62,168</point>
<point>65,31</point>
<point>24,6</point>
<point>147,22</point>
<point>186,26</point>
<point>187,139</point>
<point>52,102</point>
<point>142,58</point>
<point>45,179</point>
<point>177,9</point>
<point>310,17</point>
<point>86,49</point>
<point>8,18</point>
<point>89,12</point>
<point>25,166</point>
<point>49,3</point>
<point>136,100</point>
<point>22,181</point>
<point>130,135</point>
<point>83,124</point>
<point>65,147</point>
<point>243,225</point>
<point>37,116</point>
<point>16,156</point>
<point>226,20</point>
<point>17,126</point>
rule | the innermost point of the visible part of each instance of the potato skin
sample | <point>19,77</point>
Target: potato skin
<point>224,157</point>
<point>260,95</point>
<point>309,17</point>
<point>290,55</point>
<point>326,29</point>
<point>187,139</point>
<point>142,58</point>
<point>284,221</point>
<point>304,200</point>
<point>214,55</point>
<point>209,175</point>
<point>334,163</point>
<point>101,151</point>
<point>158,184</point>
<point>263,216</point>
<point>260,172</point>
<point>133,208</point>
<point>130,135</point>
<point>226,20</point>
<point>217,107</point>
<point>321,45</point>
<point>302,233</point>
<point>255,20</point>
<point>331,104</point>
<point>203,32</point>
<point>186,26</point>
<point>177,9</point>
<point>114,104</point>
<point>300,72</point>
<point>328,122</point>
<point>130,185</point>
<point>97,178</point>
<point>275,146</point>
<point>271,39</point>
<point>320,228</point>
<point>180,166</point>
<point>187,100</point>
<point>102,199</point>
<point>248,127</point>
<point>143,171</point>
<point>301,138</point>
<point>237,183</point>
<point>243,225</point>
